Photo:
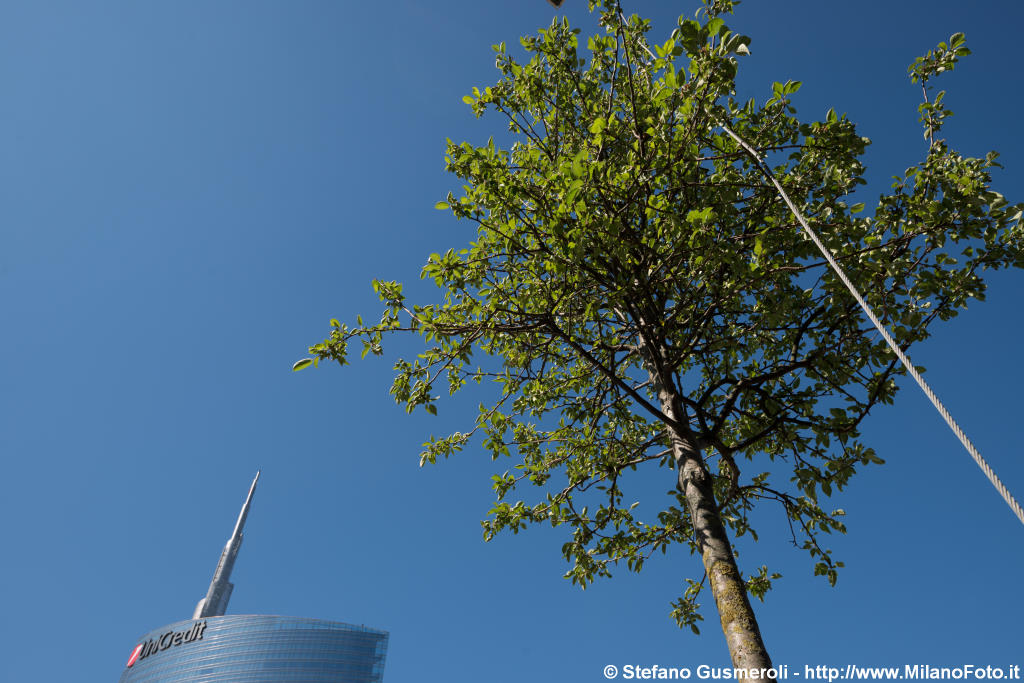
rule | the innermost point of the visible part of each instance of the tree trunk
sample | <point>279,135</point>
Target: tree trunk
<point>738,621</point>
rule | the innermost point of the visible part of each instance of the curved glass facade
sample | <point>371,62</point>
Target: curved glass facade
<point>258,648</point>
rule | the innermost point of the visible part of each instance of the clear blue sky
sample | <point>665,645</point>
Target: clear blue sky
<point>191,190</point>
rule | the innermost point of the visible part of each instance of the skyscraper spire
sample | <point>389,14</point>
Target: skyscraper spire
<point>216,601</point>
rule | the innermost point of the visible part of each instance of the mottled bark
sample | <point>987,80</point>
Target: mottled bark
<point>738,621</point>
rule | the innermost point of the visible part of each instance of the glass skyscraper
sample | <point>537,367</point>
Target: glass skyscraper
<point>214,648</point>
<point>258,648</point>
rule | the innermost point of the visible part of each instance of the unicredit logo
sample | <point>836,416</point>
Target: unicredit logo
<point>167,641</point>
<point>135,654</point>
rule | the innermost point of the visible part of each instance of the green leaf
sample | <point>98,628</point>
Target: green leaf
<point>700,215</point>
<point>442,206</point>
<point>300,364</point>
<point>577,164</point>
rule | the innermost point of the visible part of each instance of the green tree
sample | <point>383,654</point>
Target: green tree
<point>642,299</point>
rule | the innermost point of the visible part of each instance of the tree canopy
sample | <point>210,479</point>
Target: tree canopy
<point>642,300</point>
